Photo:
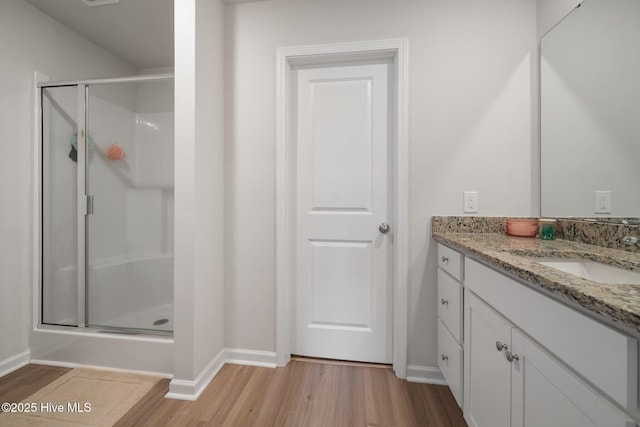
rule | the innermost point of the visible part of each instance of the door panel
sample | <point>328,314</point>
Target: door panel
<point>341,144</point>
<point>340,286</point>
<point>343,267</point>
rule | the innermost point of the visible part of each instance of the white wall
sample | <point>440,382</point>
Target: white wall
<point>209,175</point>
<point>199,192</point>
<point>472,74</point>
<point>30,41</point>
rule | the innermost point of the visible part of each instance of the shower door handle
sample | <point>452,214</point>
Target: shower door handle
<point>89,204</point>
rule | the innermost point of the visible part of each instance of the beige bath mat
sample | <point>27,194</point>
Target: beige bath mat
<point>82,397</point>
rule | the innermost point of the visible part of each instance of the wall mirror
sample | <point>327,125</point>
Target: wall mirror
<point>590,112</point>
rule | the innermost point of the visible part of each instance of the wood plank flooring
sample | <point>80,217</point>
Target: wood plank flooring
<point>304,393</point>
<point>22,383</point>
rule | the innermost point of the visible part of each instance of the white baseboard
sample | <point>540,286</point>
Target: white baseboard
<point>191,389</point>
<point>425,374</point>
<point>238,356</point>
<point>12,363</point>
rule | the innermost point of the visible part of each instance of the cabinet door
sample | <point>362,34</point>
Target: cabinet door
<point>487,378</point>
<point>545,393</point>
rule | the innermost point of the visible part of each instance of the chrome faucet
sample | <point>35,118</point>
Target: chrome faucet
<point>631,240</point>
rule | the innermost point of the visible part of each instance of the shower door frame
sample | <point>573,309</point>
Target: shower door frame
<point>84,205</point>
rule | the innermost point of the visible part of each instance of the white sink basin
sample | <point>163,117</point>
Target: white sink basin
<point>592,270</point>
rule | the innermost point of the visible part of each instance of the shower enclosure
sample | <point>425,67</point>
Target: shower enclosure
<point>107,151</point>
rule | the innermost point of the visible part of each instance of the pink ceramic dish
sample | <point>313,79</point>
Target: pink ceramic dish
<point>522,227</point>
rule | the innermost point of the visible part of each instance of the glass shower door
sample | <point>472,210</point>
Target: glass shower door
<point>60,255</point>
<point>130,190</point>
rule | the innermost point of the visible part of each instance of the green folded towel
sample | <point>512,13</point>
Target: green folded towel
<point>73,154</point>
<point>74,142</point>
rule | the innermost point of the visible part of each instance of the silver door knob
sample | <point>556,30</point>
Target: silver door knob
<point>444,357</point>
<point>500,346</point>
<point>384,228</point>
<point>512,356</point>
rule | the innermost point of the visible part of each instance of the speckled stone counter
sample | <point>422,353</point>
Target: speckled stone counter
<point>617,304</point>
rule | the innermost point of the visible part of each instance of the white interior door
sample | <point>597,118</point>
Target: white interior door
<point>343,259</point>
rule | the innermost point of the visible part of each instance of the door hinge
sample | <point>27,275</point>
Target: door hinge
<point>89,204</point>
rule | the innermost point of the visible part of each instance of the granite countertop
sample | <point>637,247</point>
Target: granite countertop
<point>617,304</point>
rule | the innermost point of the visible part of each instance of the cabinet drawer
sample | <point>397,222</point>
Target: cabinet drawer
<point>450,361</point>
<point>604,356</point>
<point>450,261</point>
<point>450,304</point>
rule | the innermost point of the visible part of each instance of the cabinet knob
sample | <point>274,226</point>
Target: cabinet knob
<point>445,259</point>
<point>500,346</point>
<point>444,357</point>
<point>511,356</point>
<point>444,301</point>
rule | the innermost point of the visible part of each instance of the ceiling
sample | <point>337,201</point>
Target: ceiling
<point>138,31</point>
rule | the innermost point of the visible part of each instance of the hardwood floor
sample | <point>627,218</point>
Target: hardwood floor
<point>302,394</point>
<point>22,383</point>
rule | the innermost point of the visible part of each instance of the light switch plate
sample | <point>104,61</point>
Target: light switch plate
<point>602,202</point>
<point>470,202</point>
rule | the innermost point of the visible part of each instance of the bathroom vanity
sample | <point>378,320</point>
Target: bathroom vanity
<point>522,343</point>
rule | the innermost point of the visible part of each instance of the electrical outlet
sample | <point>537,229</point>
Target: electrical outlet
<point>603,202</point>
<point>470,202</point>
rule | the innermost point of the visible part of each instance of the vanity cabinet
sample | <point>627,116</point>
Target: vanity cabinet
<point>450,300</point>
<point>530,361</point>
<point>512,381</point>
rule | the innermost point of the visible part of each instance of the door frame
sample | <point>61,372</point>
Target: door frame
<point>286,59</point>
